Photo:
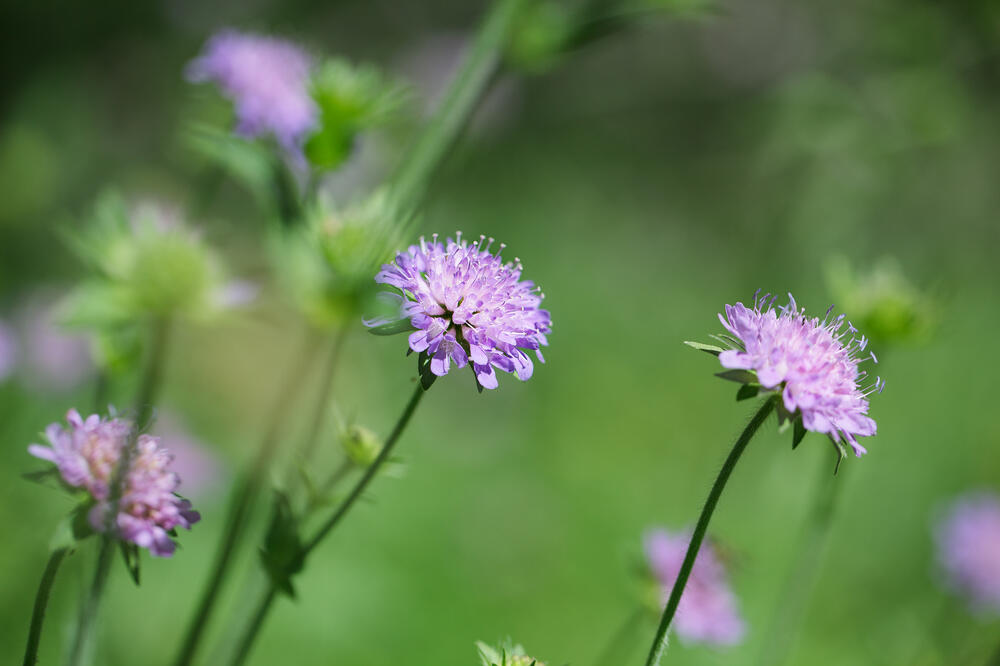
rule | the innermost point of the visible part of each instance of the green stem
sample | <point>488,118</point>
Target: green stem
<point>41,602</point>
<point>700,528</point>
<point>243,496</point>
<point>264,607</point>
<point>323,396</point>
<point>149,385</point>
<point>410,181</point>
<point>790,609</point>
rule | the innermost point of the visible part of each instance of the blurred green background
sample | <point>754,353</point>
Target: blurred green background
<point>645,181</point>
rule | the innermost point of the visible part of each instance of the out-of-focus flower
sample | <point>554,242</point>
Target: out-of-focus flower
<point>267,80</point>
<point>507,654</point>
<point>882,301</point>
<point>467,304</point>
<point>813,362</point>
<point>52,357</point>
<point>8,350</point>
<point>968,549</point>
<point>361,445</point>
<point>707,612</point>
<point>193,461</point>
<point>86,456</point>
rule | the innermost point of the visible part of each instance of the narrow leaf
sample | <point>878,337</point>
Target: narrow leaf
<point>798,433</point>
<point>392,328</point>
<point>741,376</point>
<point>747,391</point>
<point>711,349</point>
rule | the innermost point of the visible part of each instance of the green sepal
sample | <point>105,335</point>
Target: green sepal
<point>392,328</point>
<point>841,454</point>
<point>282,554</point>
<point>741,376</point>
<point>798,433</point>
<point>48,477</point>
<point>130,554</point>
<point>701,346</point>
<point>747,391</point>
<point>427,378</point>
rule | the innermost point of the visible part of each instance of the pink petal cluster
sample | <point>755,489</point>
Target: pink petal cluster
<point>813,362</point>
<point>87,454</point>
<point>468,305</point>
<point>267,80</point>
<point>968,549</point>
<point>707,612</point>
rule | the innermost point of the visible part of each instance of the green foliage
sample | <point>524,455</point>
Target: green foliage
<point>507,654</point>
<point>282,554</point>
<point>361,445</point>
<point>351,99</point>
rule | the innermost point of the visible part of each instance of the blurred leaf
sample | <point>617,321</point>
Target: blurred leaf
<point>741,376</point>
<point>711,349</point>
<point>747,391</point>
<point>392,328</point>
<point>798,433</point>
<point>282,553</point>
<point>130,554</point>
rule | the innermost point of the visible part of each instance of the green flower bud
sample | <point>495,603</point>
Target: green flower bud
<point>507,654</point>
<point>361,445</point>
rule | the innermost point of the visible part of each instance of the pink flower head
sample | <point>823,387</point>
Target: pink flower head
<point>86,455</point>
<point>469,305</point>
<point>267,80</point>
<point>707,612</point>
<point>813,362</point>
<point>968,549</point>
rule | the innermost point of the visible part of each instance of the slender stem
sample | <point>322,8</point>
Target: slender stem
<point>41,602</point>
<point>246,642</point>
<point>243,496</point>
<point>470,83</point>
<point>994,660</point>
<point>335,477</point>
<point>149,385</point>
<point>790,609</point>
<point>699,530</point>
<point>620,641</point>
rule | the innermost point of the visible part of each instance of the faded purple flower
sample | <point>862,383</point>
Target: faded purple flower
<point>8,351</point>
<point>192,460</point>
<point>54,358</point>
<point>267,80</point>
<point>707,612</point>
<point>86,455</point>
<point>813,362</point>
<point>468,305</point>
<point>968,549</point>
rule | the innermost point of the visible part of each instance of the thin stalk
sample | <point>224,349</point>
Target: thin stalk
<point>790,609</point>
<point>41,602</point>
<point>620,641</point>
<point>242,499</point>
<point>323,396</point>
<point>253,629</point>
<point>409,183</point>
<point>149,385</point>
<point>700,528</point>
<point>335,477</point>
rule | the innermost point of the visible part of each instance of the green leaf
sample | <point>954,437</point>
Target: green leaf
<point>747,391</point>
<point>711,349</point>
<point>392,328</point>
<point>798,433</point>
<point>282,554</point>
<point>841,454</point>
<point>741,376</point>
<point>130,553</point>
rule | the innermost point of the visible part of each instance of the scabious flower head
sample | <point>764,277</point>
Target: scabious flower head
<point>507,654</point>
<point>86,455</point>
<point>468,305</point>
<point>813,362</point>
<point>707,612</point>
<point>267,80</point>
<point>968,549</point>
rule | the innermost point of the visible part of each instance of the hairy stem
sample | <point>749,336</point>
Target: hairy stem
<point>41,602</point>
<point>253,629</point>
<point>700,528</point>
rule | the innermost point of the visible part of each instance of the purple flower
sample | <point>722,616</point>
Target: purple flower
<point>86,455</point>
<point>8,351</point>
<point>968,549</point>
<point>267,80</point>
<point>707,612</point>
<point>813,362</point>
<point>468,306</point>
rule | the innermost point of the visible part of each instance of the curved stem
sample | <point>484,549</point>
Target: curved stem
<point>790,609</point>
<point>246,642</point>
<point>149,385</point>
<point>699,530</point>
<point>41,602</point>
<point>242,499</point>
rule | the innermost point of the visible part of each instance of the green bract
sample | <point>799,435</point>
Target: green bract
<point>507,654</point>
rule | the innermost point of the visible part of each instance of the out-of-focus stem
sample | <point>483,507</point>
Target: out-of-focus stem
<point>702,526</point>
<point>41,602</point>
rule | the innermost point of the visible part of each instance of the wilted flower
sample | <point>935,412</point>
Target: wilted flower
<point>8,350</point>
<point>267,80</point>
<point>468,305</point>
<point>707,612</point>
<point>813,362</point>
<point>86,456</point>
<point>968,549</point>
